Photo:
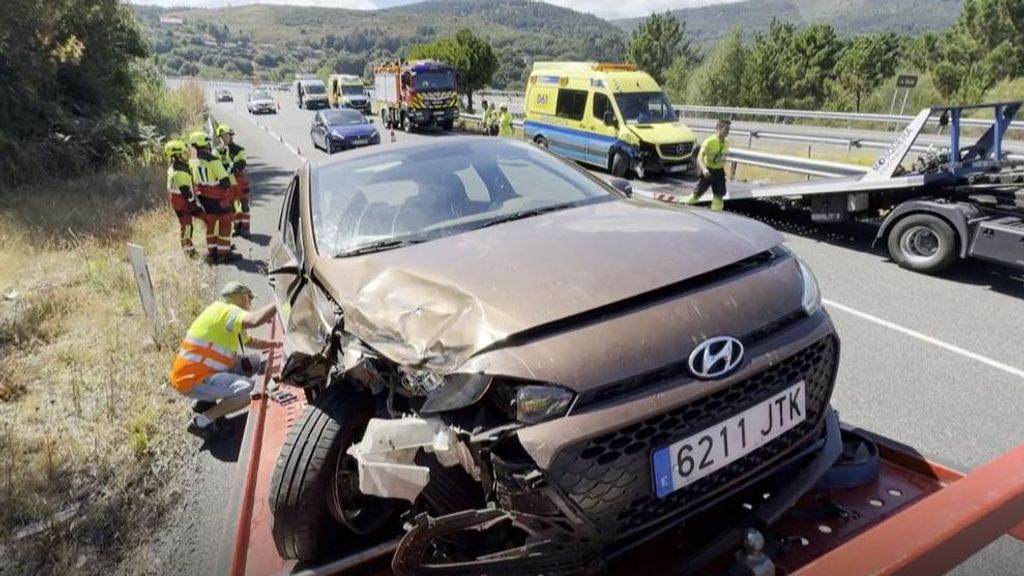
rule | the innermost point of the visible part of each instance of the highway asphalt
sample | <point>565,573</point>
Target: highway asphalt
<point>934,362</point>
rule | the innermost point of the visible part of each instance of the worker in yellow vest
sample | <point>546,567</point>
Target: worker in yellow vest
<point>505,129</point>
<point>212,366</point>
<point>711,162</point>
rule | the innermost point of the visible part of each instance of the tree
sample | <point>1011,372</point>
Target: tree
<point>864,64</point>
<point>471,56</point>
<point>985,45</point>
<point>657,43</point>
<point>768,75</point>
<point>816,50</point>
<point>718,81</point>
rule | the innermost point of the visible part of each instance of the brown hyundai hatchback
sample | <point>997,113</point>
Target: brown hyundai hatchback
<point>526,369</point>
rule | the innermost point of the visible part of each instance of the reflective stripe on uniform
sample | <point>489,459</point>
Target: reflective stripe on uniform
<point>206,343</point>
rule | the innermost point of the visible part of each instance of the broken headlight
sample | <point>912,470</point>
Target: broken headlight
<point>537,402</point>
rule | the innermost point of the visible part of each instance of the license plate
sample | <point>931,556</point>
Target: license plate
<point>691,459</point>
<point>677,168</point>
<point>361,142</point>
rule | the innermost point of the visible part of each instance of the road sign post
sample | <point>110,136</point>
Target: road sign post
<point>140,270</point>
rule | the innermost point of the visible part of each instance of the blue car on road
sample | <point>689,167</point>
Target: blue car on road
<point>342,129</point>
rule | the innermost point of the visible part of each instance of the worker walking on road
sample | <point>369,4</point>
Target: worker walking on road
<point>492,121</point>
<point>212,366</point>
<point>485,122</point>
<point>180,192</point>
<point>711,162</point>
<point>505,129</point>
<point>213,187</point>
<point>234,159</point>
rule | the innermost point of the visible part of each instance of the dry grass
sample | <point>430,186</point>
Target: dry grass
<point>86,421</point>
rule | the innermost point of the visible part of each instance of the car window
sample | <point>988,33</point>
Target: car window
<point>601,105</point>
<point>291,235</point>
<point>429,192</point>
<point>571,104</point>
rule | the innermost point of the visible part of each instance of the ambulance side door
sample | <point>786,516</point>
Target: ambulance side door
<point>601,122</point>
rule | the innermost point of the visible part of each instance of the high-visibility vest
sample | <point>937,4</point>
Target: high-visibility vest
<point>177,178</point>
<point>207,174</point>
<point>714,151</point>
<point>212,345</point>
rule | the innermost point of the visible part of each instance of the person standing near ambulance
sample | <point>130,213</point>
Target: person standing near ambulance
<point>711,162</point>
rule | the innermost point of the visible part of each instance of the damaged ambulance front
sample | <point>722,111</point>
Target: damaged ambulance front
<point>537,393</point>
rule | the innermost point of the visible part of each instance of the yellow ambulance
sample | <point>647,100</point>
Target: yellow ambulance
<point>608,115</point>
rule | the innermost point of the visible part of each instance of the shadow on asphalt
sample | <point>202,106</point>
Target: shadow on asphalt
<point>227,449</point>
<point>251,265</point>
<point>259,239</point>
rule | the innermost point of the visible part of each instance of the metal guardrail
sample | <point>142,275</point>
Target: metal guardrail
<point>829,116</point>
<point>806,166</point>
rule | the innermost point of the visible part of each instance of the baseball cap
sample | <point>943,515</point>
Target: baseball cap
<point>234,288</point>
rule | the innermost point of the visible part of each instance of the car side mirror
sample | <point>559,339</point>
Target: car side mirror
<point>609,119</point>
<point>622,185</point>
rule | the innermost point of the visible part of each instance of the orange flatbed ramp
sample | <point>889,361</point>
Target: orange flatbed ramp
<point>918,517</point>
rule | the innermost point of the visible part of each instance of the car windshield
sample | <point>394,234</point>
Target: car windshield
<point>314,89</point>
<point>260,96</point>
<point>343,118</point>
<point>390,199</point>
<point>352,90</point>
<point>434,80</point>
<point>645,107</point>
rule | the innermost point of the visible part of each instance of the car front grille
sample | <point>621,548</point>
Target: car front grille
<point>609,477</point>
<point>678,150</point>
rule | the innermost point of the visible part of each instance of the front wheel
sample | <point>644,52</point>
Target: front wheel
<point>620,164</point>
<point>384,120</point>
<point>923,243</point>
<point>407,123</point>
<point>311,491</point>
<point>448,126</point>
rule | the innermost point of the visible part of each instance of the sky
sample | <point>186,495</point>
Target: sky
<point>604,8</point>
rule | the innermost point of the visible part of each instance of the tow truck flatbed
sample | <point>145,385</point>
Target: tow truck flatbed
<point>916,517</point>
<point>964,202</point>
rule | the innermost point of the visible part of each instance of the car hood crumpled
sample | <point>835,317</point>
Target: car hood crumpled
<point>435,305</point>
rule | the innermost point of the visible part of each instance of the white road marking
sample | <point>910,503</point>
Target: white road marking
<point>928,339</point>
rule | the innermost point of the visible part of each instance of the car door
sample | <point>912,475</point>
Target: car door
<point>285,266</point>
<point>602,125</point>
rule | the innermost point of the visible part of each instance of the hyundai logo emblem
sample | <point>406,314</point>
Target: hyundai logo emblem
<point>716,357</point>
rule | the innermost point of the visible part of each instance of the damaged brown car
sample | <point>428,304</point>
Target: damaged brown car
<point>527,370</point>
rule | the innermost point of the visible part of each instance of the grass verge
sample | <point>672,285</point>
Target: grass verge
<point>89,430</point>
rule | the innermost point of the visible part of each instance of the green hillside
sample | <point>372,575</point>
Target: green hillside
<point>273,42</point>
<point>848,17</point>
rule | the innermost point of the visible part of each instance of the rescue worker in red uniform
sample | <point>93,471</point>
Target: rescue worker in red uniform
<point>180,191</point>
<point>213,188</point>
<point>234,158</point>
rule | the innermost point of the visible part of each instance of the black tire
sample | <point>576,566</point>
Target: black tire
<point>923,243</point>
<point>301,485</point>
<point>620,164</point>
<point>541,141</point>
<point>448,126</point>
<point>407,123</point>
<point>384,120</point>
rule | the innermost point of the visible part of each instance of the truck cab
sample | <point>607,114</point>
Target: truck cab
<point>347,91</point>
<point>310,93</point>
<point>612,116</point>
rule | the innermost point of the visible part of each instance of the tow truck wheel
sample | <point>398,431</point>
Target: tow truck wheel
<point>304,489</point>
<point>541,141</point>
<point>923,243</point>
<point>620,164</point>
<point>407,123</point>
<point>384,121</point>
